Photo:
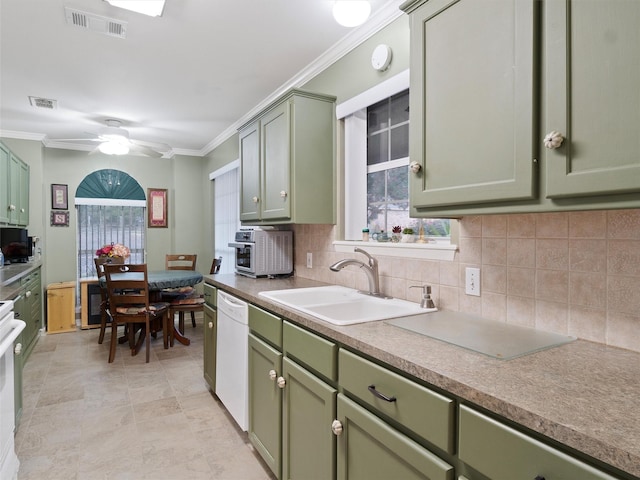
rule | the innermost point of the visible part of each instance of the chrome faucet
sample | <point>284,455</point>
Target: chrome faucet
<point>370,269</point>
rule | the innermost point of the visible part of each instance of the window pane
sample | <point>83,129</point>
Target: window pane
<point>400,108</point>
<point>398,185</point>
<point>376,187</point>
<point>378,116</point>
<point>377,148</point>
<point>400,142</point>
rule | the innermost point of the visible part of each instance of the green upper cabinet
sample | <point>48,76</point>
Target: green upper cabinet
<point>593,96</point>
<point>14,189</point>
<point>472,112</point>
<point>4,184</point>
<point>287,162</point>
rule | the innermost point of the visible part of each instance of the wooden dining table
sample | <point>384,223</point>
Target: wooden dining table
<point>160,280</point>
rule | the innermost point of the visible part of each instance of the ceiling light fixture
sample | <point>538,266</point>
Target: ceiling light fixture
<point>153,8</point>
<point>113,148</point>
<point>351,13</point>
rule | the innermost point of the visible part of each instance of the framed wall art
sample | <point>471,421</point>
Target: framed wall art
<point>59,219</point>
<point>157,207</point>
<point>59,199</point>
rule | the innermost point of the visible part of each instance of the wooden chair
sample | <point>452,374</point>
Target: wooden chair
<point>128,291</point>
<point>186,299</point>
<point>215,265</point>
<point>104,303</point>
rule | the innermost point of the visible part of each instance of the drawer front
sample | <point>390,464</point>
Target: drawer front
<point>210,295</point>
<point>312,351</point>
<point>502,453</point>
<point>422,411</point>
<point>266,325</point>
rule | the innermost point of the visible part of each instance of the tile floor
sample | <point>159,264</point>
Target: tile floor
<point>86,419</point>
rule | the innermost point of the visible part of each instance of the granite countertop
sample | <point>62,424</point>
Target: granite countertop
<point>583,395</point>
<point>13,272</point>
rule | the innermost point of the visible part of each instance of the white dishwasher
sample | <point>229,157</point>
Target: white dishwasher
<point>232,357</point>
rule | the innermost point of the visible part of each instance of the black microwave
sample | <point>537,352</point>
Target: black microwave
<point>16,245</point>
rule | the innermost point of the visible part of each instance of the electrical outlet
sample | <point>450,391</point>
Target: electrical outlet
<point>472,281</point>
<point>309,260</point>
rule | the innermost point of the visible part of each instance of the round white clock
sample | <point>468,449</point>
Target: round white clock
<point>381,57</point>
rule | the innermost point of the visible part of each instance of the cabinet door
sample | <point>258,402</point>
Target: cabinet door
<point>250,173</point>
<point>472,101</point>
<point>276,153</point>
<point>23,204</point>
<point>369,448</point>
<point>309,407</point>
<point>4,184</point>
<point>209,341</point>
<point>15,171</point>
<point>265,402</point>
<point>592,77</point>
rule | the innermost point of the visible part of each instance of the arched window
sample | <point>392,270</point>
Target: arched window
<point>110,208</point>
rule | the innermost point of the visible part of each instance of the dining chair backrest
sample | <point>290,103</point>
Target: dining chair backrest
<point>215,265</point>
<point>127,285</point>
<point>100,261</point>
<point>180,261</point>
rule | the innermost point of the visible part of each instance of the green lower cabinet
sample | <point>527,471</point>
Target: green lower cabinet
<point>210,334</point>
<point>265,402</point>
<point>370,449</point>
<point>502,453</point>
<point>308,409</point>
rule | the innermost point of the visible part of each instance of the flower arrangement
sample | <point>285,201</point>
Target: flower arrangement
<point>113,250</point>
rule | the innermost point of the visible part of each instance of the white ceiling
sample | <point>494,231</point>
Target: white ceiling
<point>186,79</point>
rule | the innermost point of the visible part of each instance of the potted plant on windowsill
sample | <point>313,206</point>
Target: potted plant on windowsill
<point>396,233</point>
<point>407,235</point>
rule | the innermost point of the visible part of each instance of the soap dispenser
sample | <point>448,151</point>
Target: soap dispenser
<point>427,301</point>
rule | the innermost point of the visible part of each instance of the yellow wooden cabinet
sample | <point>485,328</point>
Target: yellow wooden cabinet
<point>61,307</point>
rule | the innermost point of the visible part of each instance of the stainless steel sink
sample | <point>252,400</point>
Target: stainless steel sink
<point>497,339</point>
<point>341,305</point>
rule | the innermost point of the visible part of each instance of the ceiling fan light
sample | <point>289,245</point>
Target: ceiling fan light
<point>153,8</point>
<point>113,148</point>
<point>351,13</point>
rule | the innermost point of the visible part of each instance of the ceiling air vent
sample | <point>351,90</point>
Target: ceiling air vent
<point>43,102</point>
<point>96,23</point>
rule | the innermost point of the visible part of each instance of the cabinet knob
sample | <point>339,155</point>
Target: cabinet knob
<point>18,349</point>
<point>415,167</point>
<point>283,194</point>
<point>210,324</point>
<point>255,199</point>
<point>28,293</point>
<point>281,382</point>
<point>12,207</point>
<point>553,140</point>
<point>336,427</point>
<point>22,210</point>
<point>272,374</point>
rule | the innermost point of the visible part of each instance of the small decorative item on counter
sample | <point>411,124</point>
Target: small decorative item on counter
<point>407,235</point>
<point>396,231</point>
<point>114,250</point>
<point>365,234</point>
<point>380,236</point>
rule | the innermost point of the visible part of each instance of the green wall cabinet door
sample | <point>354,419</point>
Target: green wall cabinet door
<point>250,172</point>
<point>209,341</point>
<point>4,184</point>
<point>472,111</point>
<point>369,448</point>
<point>287,161</point>
<point>275,137</point>
<point>265,402</point>
<point>309,408</point>
<point>592,76</point>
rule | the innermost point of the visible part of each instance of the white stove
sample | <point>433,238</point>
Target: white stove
<point>10,328</point>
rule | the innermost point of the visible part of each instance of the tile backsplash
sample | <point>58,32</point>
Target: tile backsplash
<point>575,273</point>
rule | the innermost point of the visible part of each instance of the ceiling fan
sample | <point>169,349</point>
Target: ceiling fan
<point>115,140</point>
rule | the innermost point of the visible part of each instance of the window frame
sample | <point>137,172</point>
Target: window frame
<point>352,115</point>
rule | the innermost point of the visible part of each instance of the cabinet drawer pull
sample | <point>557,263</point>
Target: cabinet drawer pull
<point>210,324</point>
<point>272,374</point>
<point>336,427</point>
<point>553,140</point>
<point>18,349</point>
<point>372,389</point>
<point>281,382</point>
